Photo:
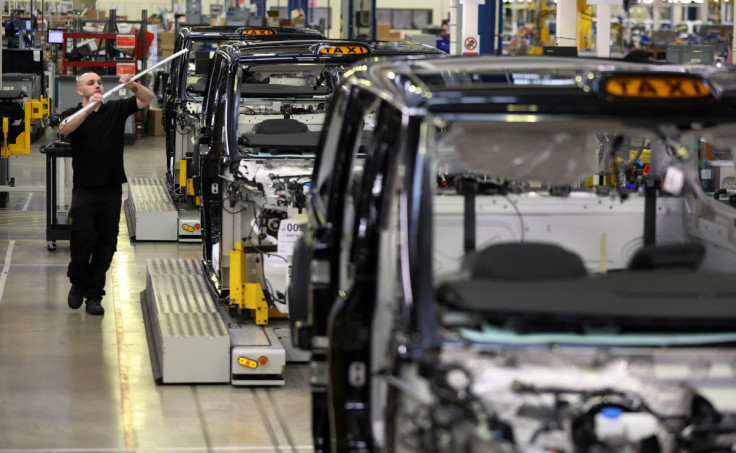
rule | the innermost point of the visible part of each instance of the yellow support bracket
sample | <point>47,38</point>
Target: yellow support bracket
<point>34,110</point>
<point>248,296</point>
<point>6,127</point>
<point>186,185</point>
<point>183,176</point>
<point>190,187</point>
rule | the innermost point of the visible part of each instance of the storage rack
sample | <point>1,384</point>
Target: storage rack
<point>109,35</point>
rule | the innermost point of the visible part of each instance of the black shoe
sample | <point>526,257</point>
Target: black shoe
<point>94,307</point>
<point>75,297</point>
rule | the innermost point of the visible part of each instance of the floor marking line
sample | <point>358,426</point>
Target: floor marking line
<point>202,419</point>
<point>280,417</point>
<point>6,268</point>
<point>127,409</point>
<point>28,201</point>
<point>266,421</point>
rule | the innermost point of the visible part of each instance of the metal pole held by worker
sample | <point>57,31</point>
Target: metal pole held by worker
<point>122,85</point>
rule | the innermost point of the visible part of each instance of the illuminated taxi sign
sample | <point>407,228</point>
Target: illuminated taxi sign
<point>257,32</point>
<point>247,362</point>
<point>656,87</point>
<point>352,49</point>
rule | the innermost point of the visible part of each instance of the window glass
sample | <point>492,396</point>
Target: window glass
<point>401,19</point>
<point>215,90</point>
<point>282,108</point>
<point>421,18</point>
<point>404,18</point>
<point>329,152</point>
<point>350,123</point>
<point>381,124</point>
<point>320,14</point>
<point>539,182</point>
<point>383,16</point>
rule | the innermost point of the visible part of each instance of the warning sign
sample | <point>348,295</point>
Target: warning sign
<point>471,45</point>
<point>125,68</point>
<point>125,40</point>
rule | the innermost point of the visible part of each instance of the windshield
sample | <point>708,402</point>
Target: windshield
<point>282,108</point>
<point>544,210</point>
<point>198,67</point>
<point>302,80</point>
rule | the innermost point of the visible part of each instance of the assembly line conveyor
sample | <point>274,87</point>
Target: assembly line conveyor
<point>193,339</point>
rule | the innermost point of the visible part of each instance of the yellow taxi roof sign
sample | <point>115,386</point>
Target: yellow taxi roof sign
<point>656,87</point>
<point>350,49</point>
<point>257,32</point>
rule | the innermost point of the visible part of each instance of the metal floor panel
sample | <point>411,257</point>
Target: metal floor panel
<point>191,340</point>
<point>172,266</point>
<point>152,215</point>
<point>150,195</point>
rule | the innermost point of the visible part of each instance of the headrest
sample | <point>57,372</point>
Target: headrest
<point>526,261</point>
<point>280,126</point>
<point>668,256</point>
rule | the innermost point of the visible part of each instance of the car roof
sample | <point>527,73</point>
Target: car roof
<point>215,33</point>
<point>549,84</point>
<point>306,49</point>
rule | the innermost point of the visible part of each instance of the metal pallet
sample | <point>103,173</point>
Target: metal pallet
<point>190,340</point>
<point>150,212</point>
<point>193,340</point>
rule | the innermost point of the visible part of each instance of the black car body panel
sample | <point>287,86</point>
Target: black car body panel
<point>223,97</point>
<point>209,38</point>
<point>231,66</point>
<point>380,204</point>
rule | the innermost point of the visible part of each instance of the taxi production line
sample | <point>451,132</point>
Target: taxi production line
<point>73,382</point>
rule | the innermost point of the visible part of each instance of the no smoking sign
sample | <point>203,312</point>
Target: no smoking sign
<point>470,45</point>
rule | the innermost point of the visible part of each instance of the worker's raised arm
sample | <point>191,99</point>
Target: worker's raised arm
<point>143,95</point>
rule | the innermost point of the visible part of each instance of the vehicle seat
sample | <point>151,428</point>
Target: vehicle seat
<point>526,261</point>
<point>668,256</point>
<point>196,88</point>
<point>280,126</point>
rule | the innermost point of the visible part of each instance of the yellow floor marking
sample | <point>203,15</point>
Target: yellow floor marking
<point>128,432</point>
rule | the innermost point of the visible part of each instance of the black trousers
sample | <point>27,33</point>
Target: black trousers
<point>95,214</point>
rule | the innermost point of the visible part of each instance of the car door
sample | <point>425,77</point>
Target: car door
<point>311,293</point>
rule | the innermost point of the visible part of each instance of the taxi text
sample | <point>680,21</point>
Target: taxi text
<point>657,87</point>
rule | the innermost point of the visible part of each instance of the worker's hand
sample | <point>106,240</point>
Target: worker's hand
<point>125,80</point>
<point>97,97</point>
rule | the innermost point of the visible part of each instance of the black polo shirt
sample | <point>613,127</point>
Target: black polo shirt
<point>97,144</point>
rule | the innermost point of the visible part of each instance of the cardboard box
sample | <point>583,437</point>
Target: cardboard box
<point>273,19</point>
<point>59,20</point>
<point>297,18</point>
<point>384,33</point>
<point>93,14</point>
<point>167,40</point>
<point>155,128</point>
